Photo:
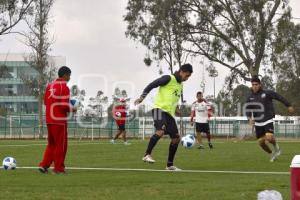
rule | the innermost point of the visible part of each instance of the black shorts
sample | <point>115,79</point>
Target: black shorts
<point>262,130</point>
<point>202,127</point>
<point>163,121</point>
<point>121,127</point>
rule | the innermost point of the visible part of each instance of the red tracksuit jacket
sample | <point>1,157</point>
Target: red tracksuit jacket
<point>57,102</point>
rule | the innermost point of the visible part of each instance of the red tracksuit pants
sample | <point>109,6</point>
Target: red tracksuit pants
<point>57,147</point>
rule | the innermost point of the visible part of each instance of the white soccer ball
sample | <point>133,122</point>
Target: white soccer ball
<point>9,163</point>
<point>188,141</point>
<point>118,114</point>
<point>74,103</point>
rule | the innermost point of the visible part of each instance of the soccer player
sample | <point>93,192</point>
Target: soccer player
<point>164,109</point>
<point>57,102</point>
<point>119,114</point>
<point>260,112</point>
<point>201,111</point>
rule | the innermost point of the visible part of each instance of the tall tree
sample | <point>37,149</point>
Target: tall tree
<point>39,41</point>
<point>159,29</point>
<point>230,103</point>
<point>12,12</point>
<point>287,62</point>
<point>231,33</point>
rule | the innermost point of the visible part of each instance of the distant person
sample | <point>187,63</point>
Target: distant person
<point>201,112</point>
<point>57,102</point>
<point>119,114</point>
<point>165,107</point>
<point>260,112</point>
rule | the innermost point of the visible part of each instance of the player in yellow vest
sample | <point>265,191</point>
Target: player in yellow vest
<point>164,110</point>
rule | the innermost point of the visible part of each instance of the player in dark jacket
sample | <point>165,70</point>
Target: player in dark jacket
<point>260,112</point>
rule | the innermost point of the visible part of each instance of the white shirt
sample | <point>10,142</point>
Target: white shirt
<point>201,111</point>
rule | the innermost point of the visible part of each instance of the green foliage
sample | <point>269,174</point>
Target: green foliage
<point>39,41</point>
<point>231,102</point>
<point>4,72</point>
<point>158,25</point>
<point>236,34</point>
<point>290,90</point>
<point>287,63</point>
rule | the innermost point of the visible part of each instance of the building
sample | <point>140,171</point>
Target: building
<point>15,96</point>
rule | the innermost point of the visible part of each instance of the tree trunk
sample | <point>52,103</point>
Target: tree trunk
<point>254,70</point>
<point>40,111</point>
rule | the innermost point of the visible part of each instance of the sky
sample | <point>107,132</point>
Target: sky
<point>92,38</point>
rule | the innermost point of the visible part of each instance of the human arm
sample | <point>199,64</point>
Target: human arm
<point>154,84</point>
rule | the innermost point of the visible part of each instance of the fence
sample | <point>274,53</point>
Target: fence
<point>26,126</point>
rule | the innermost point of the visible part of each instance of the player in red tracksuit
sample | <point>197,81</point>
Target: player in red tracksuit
<point>57,102</point>
<point>119,114</point>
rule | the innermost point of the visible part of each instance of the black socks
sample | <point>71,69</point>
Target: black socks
<point>172,152</point>
<point>153,140</point>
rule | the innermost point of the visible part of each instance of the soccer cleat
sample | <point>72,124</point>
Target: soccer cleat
<point>148,159</point>
<point>173,168</point>
<point>43,170</point>
<point>210,146</point>
<point>275,155</point>
<point>113,141</point>
<point>200,147</point>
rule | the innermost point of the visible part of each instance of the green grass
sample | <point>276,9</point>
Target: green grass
<point>113,185</point>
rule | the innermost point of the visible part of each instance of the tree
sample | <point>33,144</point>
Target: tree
<point>224,102</point>
<point>231,103</point>
<point>234,34</point>
<point>39,42</point>
<point>287,63</point>
<point>239,98</point>
<point>12,12</point>
<point>96,106</point>
<point>75,91</point>
<point>159,29</point>
<point>4,72</point>
<point>101,102</point>
<point>79,95</point>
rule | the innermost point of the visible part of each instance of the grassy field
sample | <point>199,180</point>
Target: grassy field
<point>114,184</point>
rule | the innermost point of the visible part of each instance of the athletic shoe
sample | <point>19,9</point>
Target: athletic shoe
<point>148,159</point>
<point>173,168</point>
<point>200,147</point>
<point>112,142</point>
<point>275,155</point>
<point>43,170</point>
<point>210,146</point>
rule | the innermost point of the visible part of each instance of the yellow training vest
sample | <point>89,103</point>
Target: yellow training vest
<point>168,96</point>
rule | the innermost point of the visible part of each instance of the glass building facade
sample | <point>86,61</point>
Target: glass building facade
<point>15,96</point>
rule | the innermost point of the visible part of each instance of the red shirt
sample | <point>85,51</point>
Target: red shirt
<point>57,102</point>
<point>120,120</point>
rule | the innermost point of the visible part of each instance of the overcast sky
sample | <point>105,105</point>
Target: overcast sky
<point>91,37</point>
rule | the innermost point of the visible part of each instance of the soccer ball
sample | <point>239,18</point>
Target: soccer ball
<point>188,141</point>
<point>118,114</point>
<point>74,103</point>
<point>9,163</point>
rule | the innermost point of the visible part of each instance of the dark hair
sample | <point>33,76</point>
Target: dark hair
<point>63,71</point>
<point>186,68</point>
<point>255,79</point>
<point>198,93</point>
